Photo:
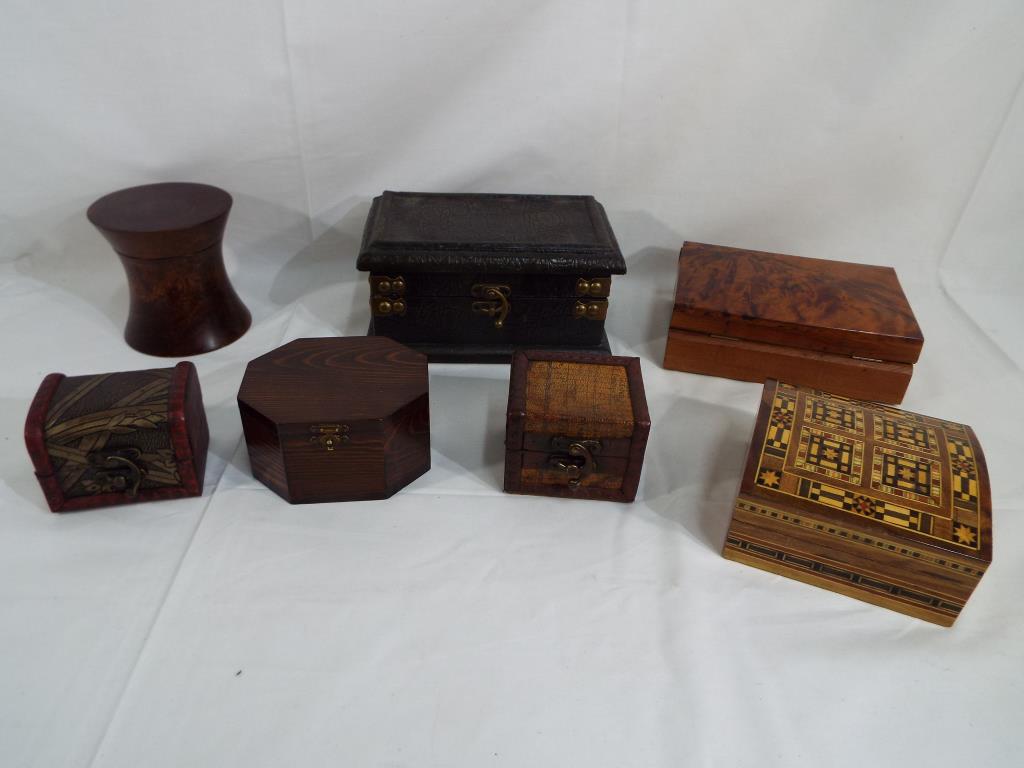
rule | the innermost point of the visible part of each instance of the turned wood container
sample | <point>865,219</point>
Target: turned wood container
<point>168,237</point>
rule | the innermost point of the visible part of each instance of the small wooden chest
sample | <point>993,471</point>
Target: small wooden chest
<point>577,425</point>
<point>872,502</point>
<point>337,419</point>
<point>472,277</point>
<point>841,327</point>
<point>118,438</point>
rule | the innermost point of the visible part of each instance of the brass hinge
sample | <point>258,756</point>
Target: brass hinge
<point>386,295</point>
<point>597,287</point>
<point>595,309</point>
<point>329,436</point>
<point>496,302</point>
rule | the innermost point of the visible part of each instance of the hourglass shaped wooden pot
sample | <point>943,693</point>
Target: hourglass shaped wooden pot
<point>168,237</point>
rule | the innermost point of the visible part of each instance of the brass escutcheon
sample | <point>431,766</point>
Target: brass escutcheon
<point>329,436</point>
<point>497,304</point>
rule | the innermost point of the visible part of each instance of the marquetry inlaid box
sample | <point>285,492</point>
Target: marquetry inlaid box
<point>473,277</point>
<point>750,315</point>
<point>118,438</point>
<point>577,425</point>
<point>880,504</point>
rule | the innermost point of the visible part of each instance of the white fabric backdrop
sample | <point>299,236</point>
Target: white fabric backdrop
<point>453,625</point>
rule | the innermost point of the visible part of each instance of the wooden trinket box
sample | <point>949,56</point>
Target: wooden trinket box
<point>337,419</point>
<point>748,315</point>
<point>880,504</point>
<point>118,438</point>
<point>472,277</point>
<point>577,426</point>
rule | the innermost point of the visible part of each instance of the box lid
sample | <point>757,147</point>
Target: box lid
<point>489,233</point>
<point>814,304</point>
<point>577,395</point>
<point>895,475</point>
<point>333,379</point>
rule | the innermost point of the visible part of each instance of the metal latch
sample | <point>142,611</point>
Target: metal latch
<point>329,436</point>
<point>579,463</point>
<point>496,302</point>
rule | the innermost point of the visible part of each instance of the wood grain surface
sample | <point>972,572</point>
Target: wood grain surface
<point>813,304</point>
<point>168,238</point>
<point>757,361</point>
<point>370,393</point>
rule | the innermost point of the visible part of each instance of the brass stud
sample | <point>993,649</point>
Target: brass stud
<point>384,307</point>
<point>398,285</point>
<point>398,307</point>
<point>384,286</point>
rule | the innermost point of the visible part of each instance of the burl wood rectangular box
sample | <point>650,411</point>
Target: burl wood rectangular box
<point>869,501</point>
<point>118,438</point>
<point>749,315</point>
<point>577,426</point>
<point>473,277</point>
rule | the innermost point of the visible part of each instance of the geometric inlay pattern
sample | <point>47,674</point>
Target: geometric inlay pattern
<point>830,454</point>
<point>903,432</point>
<point>838,414</point>
<point>815,447</point>
<point>907,475</point>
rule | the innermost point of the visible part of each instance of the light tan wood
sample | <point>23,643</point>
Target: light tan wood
<point>757,361</point>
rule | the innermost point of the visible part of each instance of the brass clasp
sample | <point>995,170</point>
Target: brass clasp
<point>118,470</point>
<point>496,304</point>
<point>329,436</point>
<point>579,463</point>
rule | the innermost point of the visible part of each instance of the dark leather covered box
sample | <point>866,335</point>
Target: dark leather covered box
<point>472,277</point>
<point>118,438</point>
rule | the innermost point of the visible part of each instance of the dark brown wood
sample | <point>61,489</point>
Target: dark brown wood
<point>757,361</point>
<point>883,505</point>
<point>561,399</point>
<point>432,258</point>
<point>118,438</point>
<point>337,419</point>
<point>758,305</point>
<point>168,237</point>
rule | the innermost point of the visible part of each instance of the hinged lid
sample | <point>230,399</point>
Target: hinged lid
<point>314,383</point>
<point>559,396</point>
<point>893,475</point>
<point>488,233</point>
<point>814,304</point>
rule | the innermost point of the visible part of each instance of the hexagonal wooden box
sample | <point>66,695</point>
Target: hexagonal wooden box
<point>337,419</point>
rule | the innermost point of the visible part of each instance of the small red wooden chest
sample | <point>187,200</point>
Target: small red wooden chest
<point>118,438</point>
